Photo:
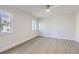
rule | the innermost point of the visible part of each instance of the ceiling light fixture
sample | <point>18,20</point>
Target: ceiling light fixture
<point>48,8</point>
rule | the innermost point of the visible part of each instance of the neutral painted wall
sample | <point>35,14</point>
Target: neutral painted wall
<point>77,27</point>
<point>22,28</point>
<point>58,26</point>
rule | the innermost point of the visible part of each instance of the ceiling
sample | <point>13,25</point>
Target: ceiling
<point>39,10</point>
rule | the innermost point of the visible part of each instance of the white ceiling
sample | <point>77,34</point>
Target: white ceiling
<point>39,10</point>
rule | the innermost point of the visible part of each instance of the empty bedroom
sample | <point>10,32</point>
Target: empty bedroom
<point>39,29</point>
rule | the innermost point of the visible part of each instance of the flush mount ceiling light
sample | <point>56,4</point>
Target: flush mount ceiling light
<point>47,8</point>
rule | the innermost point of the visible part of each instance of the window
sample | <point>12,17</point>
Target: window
<point>5,21</point>
<point>35,25</point>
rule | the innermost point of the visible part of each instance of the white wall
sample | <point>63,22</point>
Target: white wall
<point>77,27</point>
<point>58,26</point>
<point>22,28</point>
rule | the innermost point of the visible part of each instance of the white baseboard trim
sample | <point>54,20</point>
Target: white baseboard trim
<point>57,37</point>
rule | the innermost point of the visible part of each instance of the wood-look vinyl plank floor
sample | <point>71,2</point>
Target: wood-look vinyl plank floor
<point>43,45</point>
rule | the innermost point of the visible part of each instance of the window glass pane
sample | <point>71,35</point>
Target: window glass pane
<point>35,25</point>
<point>5,21</point>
